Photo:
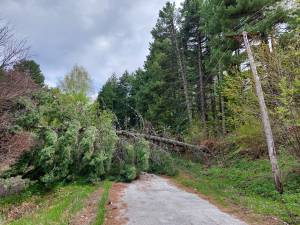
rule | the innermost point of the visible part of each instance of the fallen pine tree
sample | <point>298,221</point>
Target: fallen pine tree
<point>187,147</point>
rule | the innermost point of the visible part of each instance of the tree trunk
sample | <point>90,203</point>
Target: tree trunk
<point>182,72</point>
<point>201,86</point>
<point>270,44</point>
<point>223,115</point>
<point>200,148</point>
<point>265,118</point>
<point>214,108</point>
<point>222,104</point>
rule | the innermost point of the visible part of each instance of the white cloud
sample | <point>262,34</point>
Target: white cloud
<point>104,36</point>
<point>102,43</point>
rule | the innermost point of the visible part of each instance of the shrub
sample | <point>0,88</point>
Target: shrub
<point>142,151</point>
<point>86,145</point>
<point>161,162</point>
<point>250,139</point>
<point>128,173</point>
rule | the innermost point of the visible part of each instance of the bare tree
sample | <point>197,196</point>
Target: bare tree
<point>12,85</point>
<point>12,145</point>
<point>15,84</point>
<point>12,50</point>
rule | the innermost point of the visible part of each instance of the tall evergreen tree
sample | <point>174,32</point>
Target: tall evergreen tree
<point>31,68</point>
<point>167,24</point>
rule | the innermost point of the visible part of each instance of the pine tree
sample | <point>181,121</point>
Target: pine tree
<point>31,68</point>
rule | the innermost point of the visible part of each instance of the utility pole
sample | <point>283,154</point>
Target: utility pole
<point>265,117</point>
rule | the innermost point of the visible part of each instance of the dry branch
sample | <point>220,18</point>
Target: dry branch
<point>12,50</point>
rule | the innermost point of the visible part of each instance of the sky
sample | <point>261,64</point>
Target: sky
<point>104,36</point>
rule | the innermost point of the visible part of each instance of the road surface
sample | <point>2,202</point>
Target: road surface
<point>153,200</point>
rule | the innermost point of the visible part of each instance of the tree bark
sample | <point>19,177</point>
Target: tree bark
<point>222,104</point>
<point>200,148</point>
<point>201,86</point>
<point>265,118</point>
<point>214,107</point>
<point>181,71</point>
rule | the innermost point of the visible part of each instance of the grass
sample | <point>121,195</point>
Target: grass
<point>249,184</point>
<point>102,204</point>
<point>55,207</point>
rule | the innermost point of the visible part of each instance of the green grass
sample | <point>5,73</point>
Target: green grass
<point>55,207</point>
<point>102,204</point>
<point>249,184</point>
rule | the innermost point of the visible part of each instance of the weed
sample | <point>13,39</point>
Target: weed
<point>102,205</point>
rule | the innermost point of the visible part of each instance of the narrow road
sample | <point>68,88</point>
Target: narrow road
<point>153,200</point>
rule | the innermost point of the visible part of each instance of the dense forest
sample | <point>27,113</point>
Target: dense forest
<point>196,75</point>
<point>196,83</point>
<point>218,98</point>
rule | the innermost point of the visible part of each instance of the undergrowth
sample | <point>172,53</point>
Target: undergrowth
<point>248,183</point>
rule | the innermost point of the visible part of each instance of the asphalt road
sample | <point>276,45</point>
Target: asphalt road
<point>153,200</point>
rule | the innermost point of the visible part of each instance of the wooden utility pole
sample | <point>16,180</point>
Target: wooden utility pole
<point>265,117</point>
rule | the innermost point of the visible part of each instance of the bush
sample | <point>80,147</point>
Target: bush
<point>128,173</point>
<point>142,151</point>
<point>250,139</point>
<point>161,162</point>
<point>131,159</point>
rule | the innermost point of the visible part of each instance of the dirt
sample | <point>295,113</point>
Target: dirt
<point>87,215</point>
<point>116,207</point>
<point>17,212</point>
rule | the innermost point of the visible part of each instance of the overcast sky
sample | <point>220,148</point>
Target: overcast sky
<point>104,36</point>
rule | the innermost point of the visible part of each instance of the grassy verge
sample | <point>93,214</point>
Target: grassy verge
<point>102,204</point>
<point>249,184</point>
<point>56,207</point>
<point>34,194</point>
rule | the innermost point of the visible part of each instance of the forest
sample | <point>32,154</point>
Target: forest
<point>216,108</point>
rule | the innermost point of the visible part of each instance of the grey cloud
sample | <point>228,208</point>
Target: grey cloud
<point>104,36</point>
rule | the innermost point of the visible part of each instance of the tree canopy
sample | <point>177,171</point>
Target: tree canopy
<point>78,81</point>
<point>32,69</point>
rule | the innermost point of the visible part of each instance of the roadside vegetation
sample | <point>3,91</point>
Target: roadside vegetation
<point>100,219</point>
<point>37,206</point>
<point>247,184</point>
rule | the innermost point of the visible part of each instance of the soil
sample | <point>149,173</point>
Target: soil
<point>116,207</point>
<point>18,211</point>
<point>87,215</point>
